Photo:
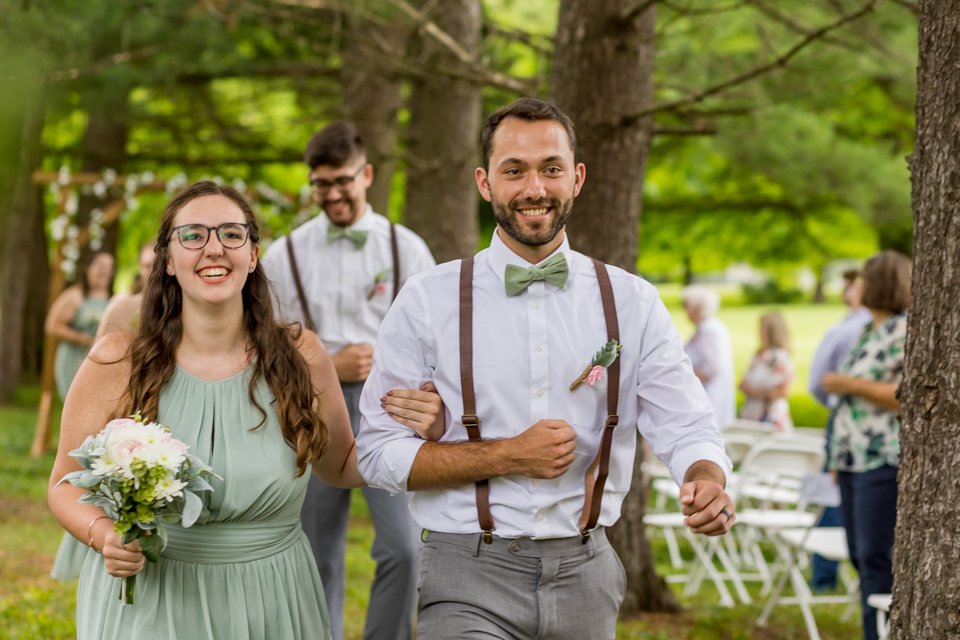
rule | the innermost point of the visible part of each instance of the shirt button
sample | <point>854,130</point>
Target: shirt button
<point>539,515</point>
<point>535,305</point>
<point>539,347</point>
<point>536,483</point>
<point>539,393</point>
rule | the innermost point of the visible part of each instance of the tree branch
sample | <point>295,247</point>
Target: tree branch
<point>638,7</point>
<point>757,71</point>
<point>116,59</point>
<point>443,38</point>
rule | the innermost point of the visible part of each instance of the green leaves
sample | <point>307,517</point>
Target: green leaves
<point>606,356</point>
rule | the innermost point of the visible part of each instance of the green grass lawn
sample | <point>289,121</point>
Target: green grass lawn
<point>32,605</point>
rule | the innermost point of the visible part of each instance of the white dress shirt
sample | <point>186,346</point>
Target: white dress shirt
<point>340,282</point>
<point>527,350</point>
<point>711,351</point>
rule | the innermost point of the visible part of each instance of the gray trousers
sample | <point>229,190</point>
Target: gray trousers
<point>520,589</point>
<point>396,548</point>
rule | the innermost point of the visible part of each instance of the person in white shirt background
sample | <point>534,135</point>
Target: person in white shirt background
<point>345,259</point>
<point>539,570</point>
<point>711,351</point>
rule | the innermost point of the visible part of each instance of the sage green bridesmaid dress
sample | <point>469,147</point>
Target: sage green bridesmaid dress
<point>69,356</point>
<point>245,570</point>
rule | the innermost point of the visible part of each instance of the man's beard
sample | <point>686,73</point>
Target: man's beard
<point>507,218</point>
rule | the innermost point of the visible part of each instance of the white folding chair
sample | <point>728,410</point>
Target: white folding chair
<point>705,549</point>
<point>769,497</point>
<point>881,602</point>
<point>796,544</point>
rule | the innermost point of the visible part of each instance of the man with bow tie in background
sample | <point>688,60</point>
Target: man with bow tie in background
<point>549,363</point>
<point>337,274</point>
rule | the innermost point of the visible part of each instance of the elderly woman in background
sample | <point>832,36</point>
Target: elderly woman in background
<point>864,449</point>
<point>710,351</point>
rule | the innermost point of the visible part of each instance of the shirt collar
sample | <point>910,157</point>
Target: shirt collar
<point>500,255</point>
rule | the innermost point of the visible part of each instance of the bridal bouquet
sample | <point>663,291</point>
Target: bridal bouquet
<point>143,478</point>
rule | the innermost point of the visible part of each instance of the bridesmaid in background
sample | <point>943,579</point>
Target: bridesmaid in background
<point>75,315</point>
<point>74,319</point>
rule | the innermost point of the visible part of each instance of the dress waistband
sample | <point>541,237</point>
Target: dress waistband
<point>524,547</point>
<point>229,542</point>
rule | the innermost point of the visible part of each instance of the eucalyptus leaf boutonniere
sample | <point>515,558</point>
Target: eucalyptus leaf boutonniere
<point>379,283</point>
<point>593,373</point>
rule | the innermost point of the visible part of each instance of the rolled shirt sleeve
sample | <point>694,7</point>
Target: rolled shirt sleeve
<point>386,449</point>
<point>676,416</point>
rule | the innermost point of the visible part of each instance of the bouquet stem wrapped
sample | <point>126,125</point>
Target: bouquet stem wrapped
<point>143,478</point>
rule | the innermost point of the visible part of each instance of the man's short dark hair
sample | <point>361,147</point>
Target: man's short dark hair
<point>531,110</point>
<point>334,145</point>
<point>886,282</point>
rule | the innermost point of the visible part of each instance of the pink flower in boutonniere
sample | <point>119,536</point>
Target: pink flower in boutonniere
<point>379,284</point>
<point>593,373</point>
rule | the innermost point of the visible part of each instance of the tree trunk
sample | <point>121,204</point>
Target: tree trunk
<point>19,217</point>
<point>104,147</point>
<point>372,100</point>
<point>926,592</point>
<point>603,70</point>
<point>443,147</point>
<point>602,73</point>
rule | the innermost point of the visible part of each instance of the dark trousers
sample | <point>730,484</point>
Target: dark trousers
<point>869,506</point>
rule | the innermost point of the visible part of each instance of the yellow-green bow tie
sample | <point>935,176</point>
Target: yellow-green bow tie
<point>553,271</point>
<point>356,236</point>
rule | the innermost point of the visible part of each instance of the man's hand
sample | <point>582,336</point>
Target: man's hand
<point>708,507</point>
<point>353,362</point>
<point>545,450</point>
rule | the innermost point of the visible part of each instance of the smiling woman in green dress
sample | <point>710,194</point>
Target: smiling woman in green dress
<point>258,401</point>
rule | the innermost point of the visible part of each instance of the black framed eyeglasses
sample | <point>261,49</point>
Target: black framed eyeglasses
<point>341,182</point>
<point>232,235</point>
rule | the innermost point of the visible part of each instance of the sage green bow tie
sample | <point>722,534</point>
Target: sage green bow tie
<point>553,270</point>
<point>356,236</point>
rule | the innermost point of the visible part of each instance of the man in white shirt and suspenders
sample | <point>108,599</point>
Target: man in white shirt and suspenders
<point>337,274</point>
<point>549,363</point>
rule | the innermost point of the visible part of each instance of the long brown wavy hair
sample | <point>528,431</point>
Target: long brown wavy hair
<point>272,347</point>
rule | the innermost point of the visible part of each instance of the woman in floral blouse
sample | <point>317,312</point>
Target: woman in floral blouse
<point>766,383</point>
<point>864,449</point>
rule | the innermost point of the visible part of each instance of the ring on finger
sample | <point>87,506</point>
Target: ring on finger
<point>726,513</point>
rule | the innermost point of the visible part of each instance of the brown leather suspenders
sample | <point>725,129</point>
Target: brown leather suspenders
<point>602,461</point>
<point>395,259</point>
<point>298,284</point>
<point>471,421</point>
<point>295,270</point>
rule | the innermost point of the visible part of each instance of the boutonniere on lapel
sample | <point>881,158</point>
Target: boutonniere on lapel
<point>379,284</point>
<point>593,373</point>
